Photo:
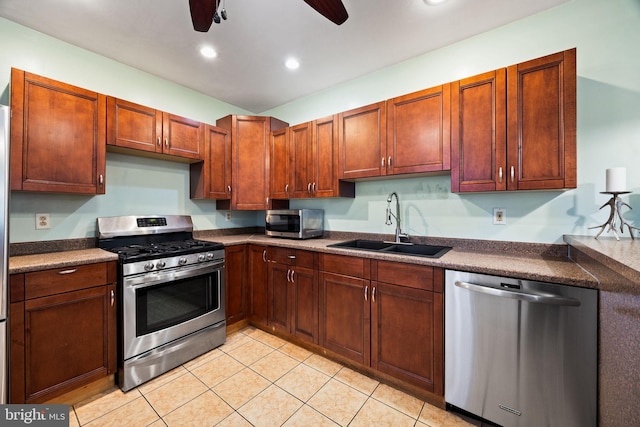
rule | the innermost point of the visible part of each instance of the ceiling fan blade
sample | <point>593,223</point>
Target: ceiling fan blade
<point>333,10</point>
<point>202,14</point>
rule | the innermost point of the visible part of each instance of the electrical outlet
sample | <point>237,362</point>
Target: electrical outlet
<point>227,216</point>
<point>499,216</point>
<point>43,220</point>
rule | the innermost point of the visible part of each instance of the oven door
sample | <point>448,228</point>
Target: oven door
<point>159,307</point>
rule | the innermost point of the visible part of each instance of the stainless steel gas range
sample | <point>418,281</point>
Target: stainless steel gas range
<point>172,302</point>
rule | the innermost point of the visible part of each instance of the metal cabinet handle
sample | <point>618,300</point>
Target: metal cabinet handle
<point>113,297</point>
<point>286,188</point>
<point>366,293</point>
<point>73,270</point>
<point>159,142</point>
<point>229,188</point>
<point>101,179</point>
<point>264,255</point>
<point>291,256</point>
<point>512,173</point>
<point>308,187</point>
<point>373,294</point>
<point>166,142</point>
<point>293,276</point>
<point>389,162</point>
<point>288,275</point>
<point>500,174</point>
<point>313,187</point>
<point>382,164</point>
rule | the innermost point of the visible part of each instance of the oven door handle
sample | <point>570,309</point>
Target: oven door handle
<point>152,278</point>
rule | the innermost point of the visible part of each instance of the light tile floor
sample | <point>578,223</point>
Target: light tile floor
<point>257,379</point>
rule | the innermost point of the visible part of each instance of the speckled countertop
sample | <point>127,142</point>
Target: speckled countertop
<point>27,263</point>
<point>505,261</point>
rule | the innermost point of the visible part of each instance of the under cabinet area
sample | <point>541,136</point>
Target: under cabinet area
<point>62,330</point>
<point>133,126</point>
<point>55,125</point>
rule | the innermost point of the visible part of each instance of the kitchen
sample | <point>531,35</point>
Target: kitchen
<point>603,34</point>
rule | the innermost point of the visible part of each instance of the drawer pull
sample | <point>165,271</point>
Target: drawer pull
<point>366,293</point>
<point>73,270</point>
<point>291,256</point>
<point>113,297</point>
<point>264,255</point>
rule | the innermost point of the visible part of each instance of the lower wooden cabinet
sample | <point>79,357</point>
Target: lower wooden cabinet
<point>257,281</point>
<point>237,298</point>
<point>293,293</point>
<point>386,315</point>
<point>64,336</point>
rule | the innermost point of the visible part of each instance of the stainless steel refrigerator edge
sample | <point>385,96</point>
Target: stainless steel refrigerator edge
<point>521,353</point>
<point>4,246</point>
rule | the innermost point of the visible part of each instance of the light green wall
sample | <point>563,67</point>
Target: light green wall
<point>605,32</point>
<point>134,185</point>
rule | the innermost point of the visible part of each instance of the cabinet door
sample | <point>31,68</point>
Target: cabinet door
<point>325,159</point>
<point>304,305</point>
<point>278,292</point>
<point>541,132</point>
<point>182,137</point>
<point>66,341</point>
<point>257,272</point>
<point>58,136</point>
<point>301,160</point>
<point>280,170</point>
<point>345,317</point>
<point>362,142</point>
<point>402,317</point>
<point>250,165</point>
<point>134,126</point>
<point>236,291</point>
<point>418,132</point>
<point>211,179</point>
<point>478,133</point>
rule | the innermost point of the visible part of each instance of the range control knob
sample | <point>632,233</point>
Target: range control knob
<point>201,257</point>
<point>148,266</point>
<point>210,256</point>
<point>160,264</point>
<point>182,260</point>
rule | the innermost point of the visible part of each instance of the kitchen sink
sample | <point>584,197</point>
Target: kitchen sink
<point>411,249</point>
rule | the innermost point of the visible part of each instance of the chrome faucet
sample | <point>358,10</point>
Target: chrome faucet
<point>399,234</point>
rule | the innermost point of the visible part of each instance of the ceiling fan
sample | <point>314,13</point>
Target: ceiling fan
<point>205,12</point>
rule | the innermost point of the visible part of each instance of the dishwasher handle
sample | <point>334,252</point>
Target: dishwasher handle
<point>520,294</point>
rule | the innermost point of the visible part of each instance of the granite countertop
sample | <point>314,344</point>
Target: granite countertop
<point>622,257</point>
<point>530,267</point>
<point>505,261</point>
<point>27,263</point>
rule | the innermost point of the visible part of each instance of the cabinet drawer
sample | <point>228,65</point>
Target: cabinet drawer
<point>346,265</point>
<point>284,256</point>
<point>304,259</point>
<point>59,280</point>
<point>410,275</point>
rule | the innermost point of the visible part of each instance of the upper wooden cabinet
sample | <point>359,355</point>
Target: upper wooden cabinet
<point>211,179</point>
<point>515,128</point>
<point>133,126</point>
<point>362,136</point>
<point>58,136</point>
<point>304,161</point>
<point>250,163</point>
<point>418,132</point>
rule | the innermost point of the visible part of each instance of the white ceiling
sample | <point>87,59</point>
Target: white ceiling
<point>157,36</point>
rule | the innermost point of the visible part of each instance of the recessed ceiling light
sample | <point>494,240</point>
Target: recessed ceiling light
<point>433,2</point>
<point>208,52</point>
<point>292,64</point>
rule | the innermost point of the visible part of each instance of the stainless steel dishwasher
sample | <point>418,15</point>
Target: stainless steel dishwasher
<point>521,353</point>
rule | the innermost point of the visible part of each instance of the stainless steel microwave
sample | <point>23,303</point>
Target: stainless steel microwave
<point>295,223</point>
